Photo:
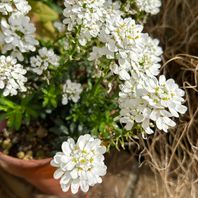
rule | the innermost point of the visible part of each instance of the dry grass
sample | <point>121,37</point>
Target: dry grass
<point>174,156</point>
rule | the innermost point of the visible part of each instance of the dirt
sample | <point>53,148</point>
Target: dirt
<point>28,143</point>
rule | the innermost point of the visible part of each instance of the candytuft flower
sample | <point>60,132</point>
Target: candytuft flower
<point>12,77</point>
<point>150,102</point>
<point>80,165</point>
<point>8,6</point>
<point>71,91</point>
<point>149,6</point>
<point>41,62</point>
<point>17,34</point>
<point>86,15</point>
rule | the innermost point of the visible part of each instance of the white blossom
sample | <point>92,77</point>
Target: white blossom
<point>17,34</point>
<point>12,77</point>
<point>5,7</point>
<point>71,91</point>
<point>149,101</point>
<point>134,109</point>
<point>143,57</point>
<point>149,6</point>
<point>84,15</point>
<point>120,37</point>
<point>112,10</point>
<point>80,165</point>
<point>165,94</point>
<point>59,26</point>
<point>41,62</point>
<point>8,6</point>
<point>147,60</point>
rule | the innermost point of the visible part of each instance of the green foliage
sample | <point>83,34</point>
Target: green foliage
<point>97,108</point>
<point>15,113</point>
<point>96,112</point>
<point>50,97</point>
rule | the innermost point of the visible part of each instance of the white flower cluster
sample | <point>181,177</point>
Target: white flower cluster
<point>149,6</point>
<point>9,6</point>
<point>150,101</point>
<point>87,16</point>
<point>80,165</point>
<point>123,40</point>
<point>71,91</point>
<point>16,30</point>
<point>41,62</point>
<point>119,36</point>
<point>12,77</point>
<point>136,59</point>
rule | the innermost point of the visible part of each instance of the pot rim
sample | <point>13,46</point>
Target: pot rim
<point>24,163</point>
<point>20,162</point>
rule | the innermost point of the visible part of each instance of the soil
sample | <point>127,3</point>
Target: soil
<point>28,143</point>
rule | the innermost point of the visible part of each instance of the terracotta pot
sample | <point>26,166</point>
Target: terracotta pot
<point>37,172</point>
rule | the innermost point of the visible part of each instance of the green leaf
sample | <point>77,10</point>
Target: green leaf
<point>18,120</point>
<point>6,102</point>
<point>50,97</point>
<point>15,118</point>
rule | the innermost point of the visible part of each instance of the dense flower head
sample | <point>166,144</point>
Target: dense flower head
<point>86,15</point>
<point>149,6</point>
<point>120,37</point>
<point>133,50</point>
<point>17,34</point>
<point>165,94</point>
<point>80,165</point>
<point>71,91</point>
<point>12,77</point>
<point>10,6</point>
<point>41,62</point>
<point>134,109</point>
<point>150,102</point>
<point>121,33</point>
<point>148,60</point>
<point>111,10</point>
<point>144,61</point>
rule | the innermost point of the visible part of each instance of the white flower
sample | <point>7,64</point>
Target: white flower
<point>112,10</point>
<point>165,94</point>
<point>86,15</point>
<point>59,26</point>
<point>120,34</point>
<point>5,7</point>
<point>22,6</point>
<point>80,165</point>
<point>134,109</point>
<point>147,101</point>
<point>41,62</point>
<point>17,33</point>
<point>98,52</point>
<point>120,37</point>
<point>71,91</point>
<point>8,6</point>
<point>147,60</point>
<point>149,6</point>
<point>12,77</point>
